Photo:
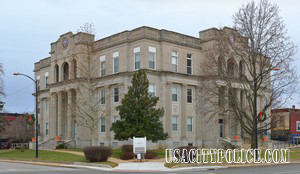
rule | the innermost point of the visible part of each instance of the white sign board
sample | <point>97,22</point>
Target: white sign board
<point>139,145</point>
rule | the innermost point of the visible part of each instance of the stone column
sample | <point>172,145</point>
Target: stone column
<point>41,119</point>
<point>168,108</point>
<point>52,115</point>
<point>59,113</point>
<point>69,115</point>
<point>109,108</point>
<point>183,104</point>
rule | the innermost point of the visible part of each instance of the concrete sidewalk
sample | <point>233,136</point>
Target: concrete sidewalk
<point>141,166</point>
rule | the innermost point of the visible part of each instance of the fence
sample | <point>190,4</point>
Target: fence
<point>19,145</point>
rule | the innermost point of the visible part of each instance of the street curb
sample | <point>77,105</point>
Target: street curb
<point>229,166</point>
<point>260,164</point>
<point>198,167</point>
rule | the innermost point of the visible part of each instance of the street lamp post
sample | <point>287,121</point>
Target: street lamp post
<point>36,113</point>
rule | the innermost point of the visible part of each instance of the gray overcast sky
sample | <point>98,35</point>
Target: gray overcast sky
<point>28,27</point>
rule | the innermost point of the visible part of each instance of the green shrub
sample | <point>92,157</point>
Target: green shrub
<point>97,153</point>
<point>127,155</point>
<point>61,146</point>
<point>127,148</point>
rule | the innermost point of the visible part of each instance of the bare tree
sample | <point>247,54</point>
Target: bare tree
<point>87,28</point>
<point>19,131</point>
<point>89,111</point>
<point>250,69</point>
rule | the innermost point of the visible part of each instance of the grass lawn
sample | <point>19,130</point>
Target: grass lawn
<point>47,156</point>
<point>44,155</point>
<point>116,152</point>
<point>160,153</point>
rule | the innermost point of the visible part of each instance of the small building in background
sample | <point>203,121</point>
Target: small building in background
<point>287,125</point>
<point>15,129</point>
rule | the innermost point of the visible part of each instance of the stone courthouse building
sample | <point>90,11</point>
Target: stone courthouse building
<point>172,63</point>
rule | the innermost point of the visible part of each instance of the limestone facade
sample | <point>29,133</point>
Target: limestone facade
<point>173,65</point>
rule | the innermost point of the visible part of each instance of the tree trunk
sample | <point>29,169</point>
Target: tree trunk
<point>94,142</point>
<point>253,141</point>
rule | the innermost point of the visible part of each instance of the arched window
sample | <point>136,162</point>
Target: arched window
<point>74,67</point>
<point>65,68</point>
<point>241,68</point>
<point>56,73</point>
<point>230,67</point>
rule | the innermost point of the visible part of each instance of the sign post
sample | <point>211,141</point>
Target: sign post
<point>139,147</point>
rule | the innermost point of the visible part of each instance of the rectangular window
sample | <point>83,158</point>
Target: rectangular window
<point>174,123</point>
<point>137,58</point>
<point>152,90</point>
<point>189,95</point>
<point>116,94</point>
<point>38,82</point>
<point>102,66</point>
<point>46,79</point>
<point>221,128</point>
<point>189,64</point>
<point>46,106</point>
<point>174,93</point>
<point>189,124</point>
<point>46,129</point>
<point>174,61</point>
<point>116,62</point>
<point>298,126</point>
<point>102,124</point>
<point>102,96</point>
<point>152,57</point>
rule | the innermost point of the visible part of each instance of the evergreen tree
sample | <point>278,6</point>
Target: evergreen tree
<point>138,114</point>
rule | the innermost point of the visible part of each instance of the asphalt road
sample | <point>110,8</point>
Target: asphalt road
<point>17,168</point>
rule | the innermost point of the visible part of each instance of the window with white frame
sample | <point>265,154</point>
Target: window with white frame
<point>189,65</point>
<point>174,123</point>
<point>174,93</point>
<point>174,61</point>
<point>190,124</point>
<point>46,129</point>
<point>116,61</point>
<point>152,57</point>
<point>38,82</point>
<point>298,126</point>
<point>137,58</point>
<point>102,96</point>
<point>116,94</point>
<point>46,106</point>
<point>102,66</point>
<point>152,90</point>
<point>46,79</point>
<point>189,95</point>
<point>102,125</point>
